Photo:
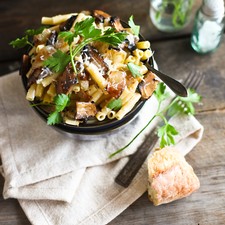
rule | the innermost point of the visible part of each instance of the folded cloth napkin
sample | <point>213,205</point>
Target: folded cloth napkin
<point>61,180</point>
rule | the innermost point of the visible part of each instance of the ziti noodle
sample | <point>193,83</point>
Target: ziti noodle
<point>99,73</point>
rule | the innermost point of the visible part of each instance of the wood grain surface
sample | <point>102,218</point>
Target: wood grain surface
<point>175,57</point>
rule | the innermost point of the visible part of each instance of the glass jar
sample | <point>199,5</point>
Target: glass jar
<point>170,15</point>
<point>208,27</point>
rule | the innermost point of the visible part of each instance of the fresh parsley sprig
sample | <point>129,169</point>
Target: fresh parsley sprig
<point>58,61</point>
<point>115,104</point>
<point>167,132</point>
<point>135,28</point>
<point>24,41</point>
<point>61,101</point>
<point>89,33</point>
<point>134,69</point>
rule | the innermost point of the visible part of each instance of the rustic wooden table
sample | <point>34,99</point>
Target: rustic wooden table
<point>175,57</point>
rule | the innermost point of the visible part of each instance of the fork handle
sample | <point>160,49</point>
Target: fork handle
<point>136,160</point>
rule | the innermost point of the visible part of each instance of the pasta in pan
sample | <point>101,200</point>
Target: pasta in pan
<point>102,80</point>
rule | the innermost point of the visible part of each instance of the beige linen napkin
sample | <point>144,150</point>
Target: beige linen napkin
<point>60,180</point>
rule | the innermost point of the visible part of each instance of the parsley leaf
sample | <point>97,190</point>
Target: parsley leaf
<point>20,42</point>
<point>134,28</point>
<point>54,118</point>
<point>112,38</point>
<point>166,133</point>
<point>58,61</point>
<point>115,104</point>
<point>185,104</point>
<point>32,32</point>
<point>134,69</point>
<point>68,36</point>
<point>86,28</point>
<point>24,41</point>
<point>160,92</point>
<point>61,101</point>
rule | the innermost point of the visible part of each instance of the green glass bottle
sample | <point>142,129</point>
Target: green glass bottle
<point>208,27</point>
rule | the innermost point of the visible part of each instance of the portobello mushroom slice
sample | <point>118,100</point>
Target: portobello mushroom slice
<point>93,55</point>
<point>84,110</point>
<point>38,75</point>
<point>100,16</point>
<point>66,80</point>
<point>52,38</point>
<point>148,85</point>
<point>68,24</point>
<point>25,65</point>
<point>115,22</point>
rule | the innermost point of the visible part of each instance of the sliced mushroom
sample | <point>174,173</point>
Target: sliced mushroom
<point>84,110</point>
<point>115,22</point>
<point>93,55</point>
<point>52,38</point>
<point>42,37</point>
<point>37,75</point>
<point>66,80</point>
<point>148,85</point>
<point>33,77</point>
<point>100,16</point>
<point>116,83</point>
<point>68,24</point>
<point>25,65</point>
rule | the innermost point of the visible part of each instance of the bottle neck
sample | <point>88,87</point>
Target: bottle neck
<point>216,18</point>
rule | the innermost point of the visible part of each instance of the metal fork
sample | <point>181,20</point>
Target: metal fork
<point>126,175</point>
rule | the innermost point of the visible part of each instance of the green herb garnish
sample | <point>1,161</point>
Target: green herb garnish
<point>24,41</point>
<point>135,28</point>
<point>60,101</point>
<point>134,69</point>
<point>89,33</point>
<point>185,105</point>
<point>167,132</point>
<point>21,42</point>
<point>115,104</point>
<point>58,61</point>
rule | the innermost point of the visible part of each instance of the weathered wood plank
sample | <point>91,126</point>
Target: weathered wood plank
<point>10,210</point>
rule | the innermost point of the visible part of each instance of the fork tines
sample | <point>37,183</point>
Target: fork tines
<point>193,80</point>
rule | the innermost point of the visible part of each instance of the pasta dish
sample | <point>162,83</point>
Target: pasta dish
<point>88,65</point>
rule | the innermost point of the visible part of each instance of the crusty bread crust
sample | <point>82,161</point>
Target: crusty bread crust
<point>170,176</point>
